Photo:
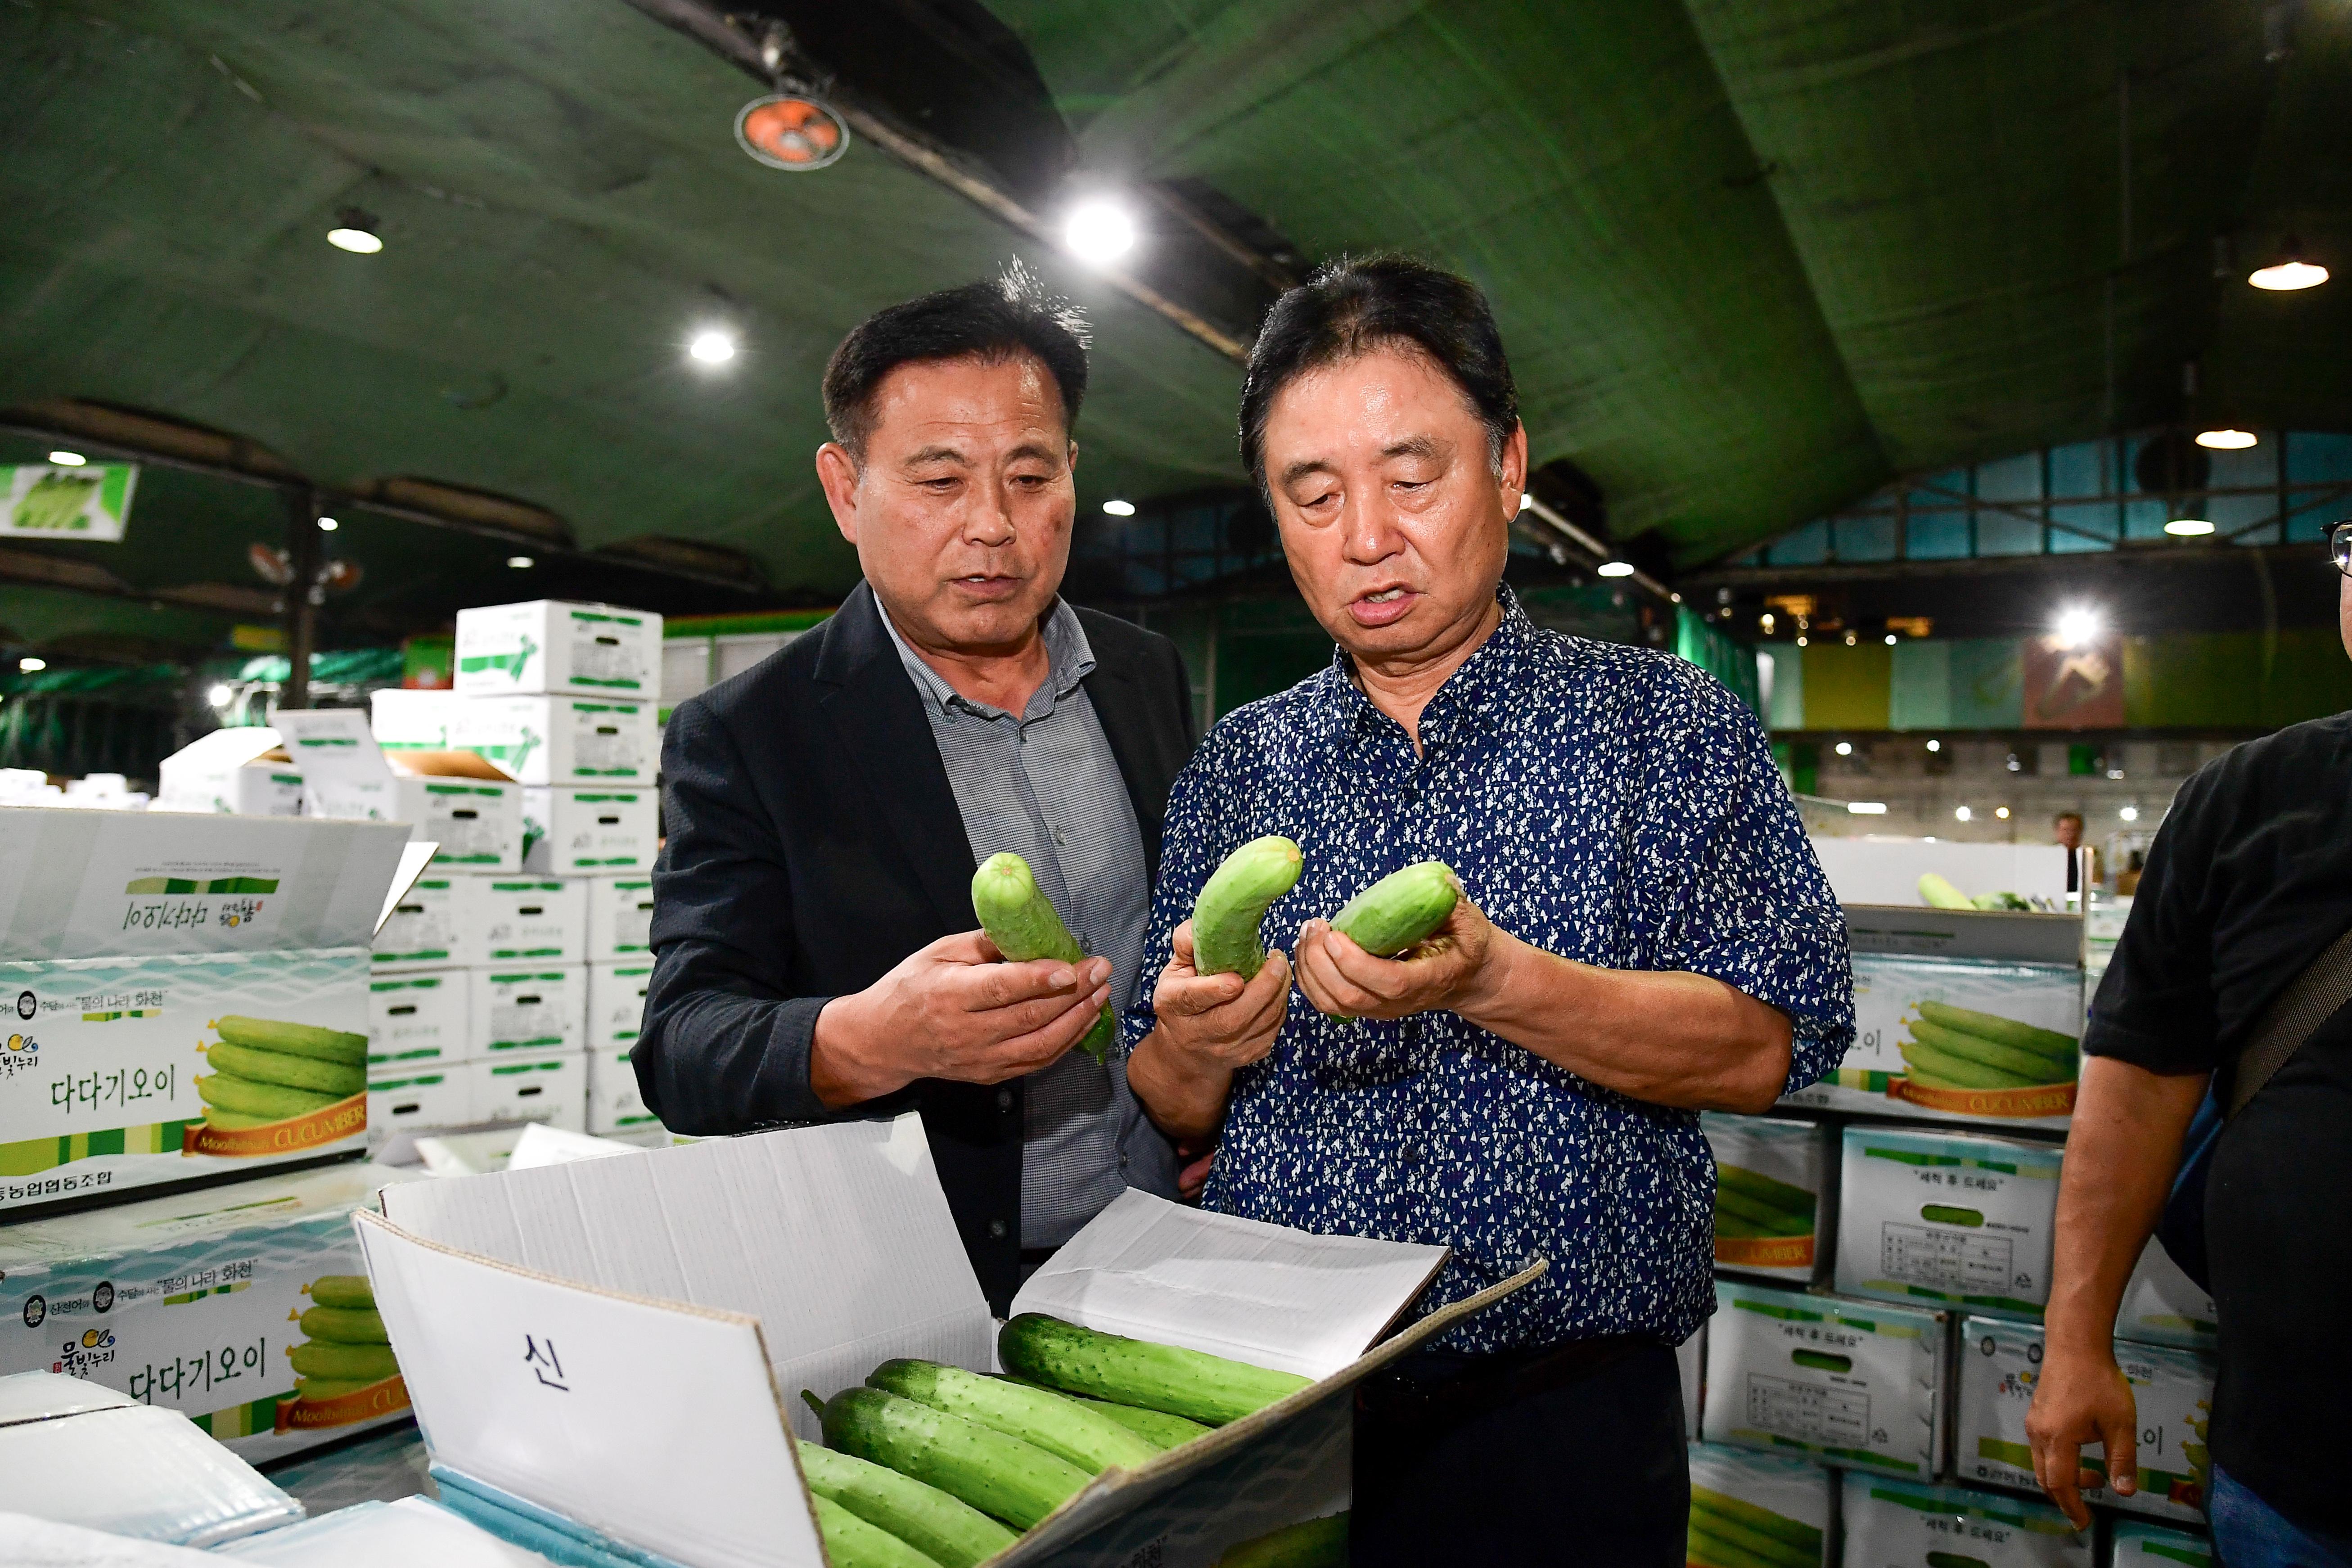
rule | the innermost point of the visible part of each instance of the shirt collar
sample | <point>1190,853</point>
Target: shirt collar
<point>1069,659</point>
<point>1480,694</point>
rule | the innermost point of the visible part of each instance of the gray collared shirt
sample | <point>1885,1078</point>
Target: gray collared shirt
<point>1044,786</point>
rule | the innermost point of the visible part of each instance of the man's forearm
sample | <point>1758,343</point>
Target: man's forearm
<point>1184,1096</point>
<point>2121,1153</point>
<point>1668,1038</point>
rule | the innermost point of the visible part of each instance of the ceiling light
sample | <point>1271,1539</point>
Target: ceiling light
<point>1800,639</point>
<point>1098,230</point>
<point>2001,812</point>
<point>1616,569</point>
<point>354,231</point>
<point>1866,807</point>
<point>2289,272</point>
<point>2226,441</point>
<point>219,696</point>
<point>1892,640</point>
<point>2077,624</point>
<point>327,525</point>
<point>1845,748</point>
<point>521,563</point>
<point>1765,622</point>
<point>28,665</point>
<point>2129,814</point>
<point>1962,814</point>
<point>1935,746</point>
<point>1120,508</point>
<point>1676,598</point>
<point>2188,528</point>
<point>712,345</point>
<point>67,459</point>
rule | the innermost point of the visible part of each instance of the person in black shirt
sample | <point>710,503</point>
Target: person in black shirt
<point>2249,879</point>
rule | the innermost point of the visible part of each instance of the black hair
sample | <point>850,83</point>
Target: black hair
<point>1355,306</point>
<point>992,321</point>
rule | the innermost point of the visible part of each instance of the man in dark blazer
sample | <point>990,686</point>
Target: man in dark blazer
<point>816,955</point>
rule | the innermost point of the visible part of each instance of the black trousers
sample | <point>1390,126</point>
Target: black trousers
<point>1510,1459</point>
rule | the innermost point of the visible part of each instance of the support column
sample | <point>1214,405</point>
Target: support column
<point>303,594</point>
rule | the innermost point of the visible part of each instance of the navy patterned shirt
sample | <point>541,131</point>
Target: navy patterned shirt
<point>1611,804</point>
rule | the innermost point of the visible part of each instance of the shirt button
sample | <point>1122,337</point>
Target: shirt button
<point>1004,1100</point>
<point>996,1228</point>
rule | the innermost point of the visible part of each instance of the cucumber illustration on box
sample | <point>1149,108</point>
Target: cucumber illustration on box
<point>1728,1532</point>
<point>278,1085</point>
<point>344,1371</point>
<point>1957,1049</point>
<point>1751,1206</point>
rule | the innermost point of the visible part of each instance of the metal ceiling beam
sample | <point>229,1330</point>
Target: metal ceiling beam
<point>35,570</point>
<point>1585,543</point>
<point>2187,553</point>
<point>708,26</point>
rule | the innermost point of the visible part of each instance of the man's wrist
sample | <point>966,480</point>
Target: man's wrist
<point>840,1075</point>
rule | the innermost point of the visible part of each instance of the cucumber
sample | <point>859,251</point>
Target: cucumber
<point>1311,1543</point>
<point>2006,1031</point>
<point>321,1388</point>
<point>1054,1423</point>
<point>295,1039</point>
<point>1939,894</point>
<point>231,1121</point>
<point>1400,908</point>
<point>1004,1477</point>
<point>1191,1383</point>
<point>345,1325</point>
<point>1152,1426</point>
<point>1233,901</point>
<point>1959,1070</point>
<point>343,1290</point>
<point>2031,1066</point>
<point>851,1543</point>
<point>287,1070</point>
<point>321,1358</point>
<point>1024,924</point>
<point>274,1101</point>
<point>951,1533</point>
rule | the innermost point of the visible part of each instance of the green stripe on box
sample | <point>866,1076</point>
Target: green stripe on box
<point>31,1156</point>
<point>257,1417</point>
<point>540,1043</point>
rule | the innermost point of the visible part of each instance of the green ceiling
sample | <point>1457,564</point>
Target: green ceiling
<point>1752,257</point>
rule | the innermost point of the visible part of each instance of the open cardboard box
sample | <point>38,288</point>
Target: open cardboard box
<point>471,807</point>
<point>616,1348</point>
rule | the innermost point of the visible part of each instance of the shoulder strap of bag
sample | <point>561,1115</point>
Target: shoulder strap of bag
<point>2323,988</point>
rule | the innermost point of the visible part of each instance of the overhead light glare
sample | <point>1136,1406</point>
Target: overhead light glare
<point>1800,639</point>
<point>1845,748</point>
<point>1892,640</point>
<point>1935,746</point>
<point>2188,528</point>
<point>2286,276</point>
<point>1120,508</point>
<point>1962,814</point>
<point>1866,807</point>
<point>712,346</point>
<point>1616,569</point>
<point>358,241</point>
<point>327,525</point>
<point>1098,230</point>
<point>521,563</point>
<point>67,459</point>
<point>28,665</point>
<point>2129,814</point>
<point>2226,441</point>
<point>1676,598</point>
<point>219,696</point>
<point>2001,812</point>
<point>2077,624</point>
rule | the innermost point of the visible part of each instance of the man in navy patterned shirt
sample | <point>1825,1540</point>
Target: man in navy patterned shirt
<point>1645,934</point>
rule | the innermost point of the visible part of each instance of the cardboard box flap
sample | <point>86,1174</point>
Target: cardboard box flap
<point>525,1382</point>
<point>44,1396</point>
<point>448,764</point>
<point>1232,1286</point>
<point>228,748</point>
<point>866,1256</point>
<point>2011,936</point>
<point>414,857</point>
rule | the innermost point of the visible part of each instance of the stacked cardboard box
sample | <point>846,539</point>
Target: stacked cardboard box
<point>510,990</point>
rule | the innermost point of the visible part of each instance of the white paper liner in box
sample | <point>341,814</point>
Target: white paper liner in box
<point>78,1454</point>
<point>1891,1523</point>
<point>414,1530</point>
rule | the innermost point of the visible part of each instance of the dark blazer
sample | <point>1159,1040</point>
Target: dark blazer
<point>813,842</point>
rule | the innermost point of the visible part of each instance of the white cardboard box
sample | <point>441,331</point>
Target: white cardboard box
<point>2172,1389</point>
<point>191,1303</point>
<point>405,1533</point>
<point>617,1007</point>
<point>1951,1218</point>
<point>620,918</point>
<point>429,927</point>
<point>230,770</point>
<point>1850,1383</point>
<point>1728,1483</point>
<point>1890,1523</point>
<point>527,1307</point>
<point>527,1010</point>
<point>552,1088</point>
<point>550,645</point>
<point>406,1098</point>
<point>417,1018</point>
<point>1772,1195</point>
<point>452,798</point>
<point>2139,1544</point>
<point>614,1103</point>
<point>529,920</point>
<point>420,720</point>
<point>2162,1306</point>
<point>589,831</point>
<point>547,740</point>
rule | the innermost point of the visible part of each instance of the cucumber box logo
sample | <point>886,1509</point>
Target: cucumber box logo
<point>18,1047</point>
<point>512,662</point>
<point>176,903</point>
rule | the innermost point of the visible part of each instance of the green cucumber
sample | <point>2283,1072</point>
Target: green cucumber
<point>952,1533</point>
<point>295,1039</point>
<point>851,1543</point>
<point>1233,901</point>
<point>1400,908</point>
<point>1959,1070</point>
<point>2006,1031</point>
<point>1936,892</point>
<point>1004,1477</point>
<point>287,1070</point>
<point>1058,1424</point>
<point>1024,924</point>
<point>1152,1426</point>
<point>2031,1066</point>
<point>345,1325</point>
<point>1310,1543</point>
<point>343,1290</point>
<point>1779,1527</point>
<point>321,1358</point>
<point>234,1122</point>
<point>246,1098</point>
<point>1192,1383</point>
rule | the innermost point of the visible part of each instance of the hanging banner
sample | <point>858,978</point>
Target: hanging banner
<point>47,500</point>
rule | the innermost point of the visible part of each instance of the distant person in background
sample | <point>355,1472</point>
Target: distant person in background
<point>2066,827</point>
<point>2246,898</point>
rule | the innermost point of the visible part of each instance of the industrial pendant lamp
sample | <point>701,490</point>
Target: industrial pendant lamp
<point>2289,272</point>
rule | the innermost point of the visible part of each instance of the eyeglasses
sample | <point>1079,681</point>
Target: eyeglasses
<point>2340,545</point>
